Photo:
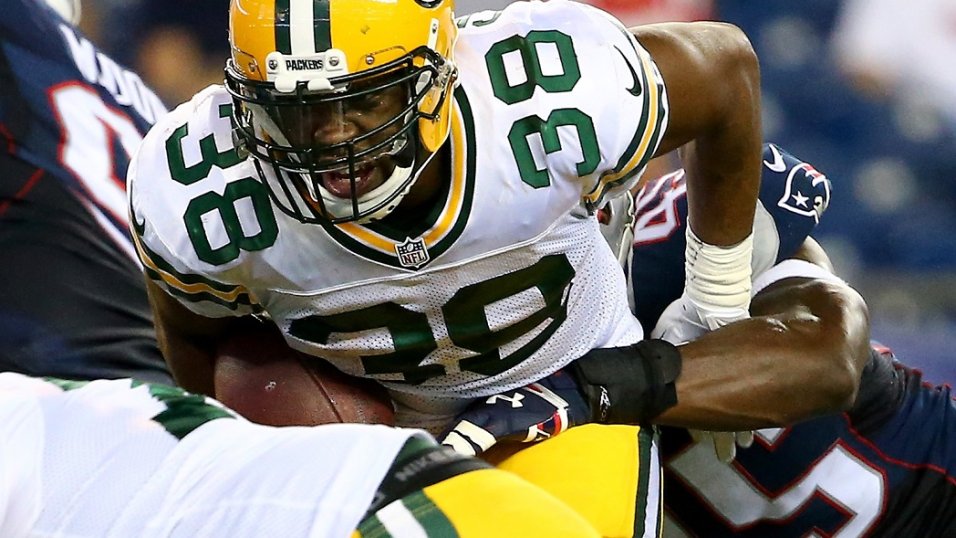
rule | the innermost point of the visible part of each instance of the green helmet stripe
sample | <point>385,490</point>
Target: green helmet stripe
<point>282,26</point>
<point>322,26</point>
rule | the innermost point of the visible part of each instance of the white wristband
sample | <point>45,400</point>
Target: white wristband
<point>717,279</point>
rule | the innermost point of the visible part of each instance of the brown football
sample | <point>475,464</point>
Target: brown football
<point>263,379</point>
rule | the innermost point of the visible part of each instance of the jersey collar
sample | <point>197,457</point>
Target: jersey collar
<point>440,229</point>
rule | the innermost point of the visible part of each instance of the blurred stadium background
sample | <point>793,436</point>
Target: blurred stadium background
<point>860,88</point>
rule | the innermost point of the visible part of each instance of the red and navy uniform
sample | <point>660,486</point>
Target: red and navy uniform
<point>72,299</point>
<point>886,467</point>
<point>793,196</point>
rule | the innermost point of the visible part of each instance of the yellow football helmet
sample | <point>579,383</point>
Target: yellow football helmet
<point>325,89</point>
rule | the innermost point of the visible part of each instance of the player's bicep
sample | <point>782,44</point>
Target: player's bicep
<point>705,66</point>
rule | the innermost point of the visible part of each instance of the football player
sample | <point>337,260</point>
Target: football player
<point>883,467</point>
<point>410,197</point>
<point>72,300</point>
<point>123,458</point>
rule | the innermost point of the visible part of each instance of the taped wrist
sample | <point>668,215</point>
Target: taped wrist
<point>718,279</point>
<point>629,385</point>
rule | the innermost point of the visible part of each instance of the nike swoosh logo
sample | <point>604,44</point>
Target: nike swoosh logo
<point>636,90</point>
<point>777,165</point>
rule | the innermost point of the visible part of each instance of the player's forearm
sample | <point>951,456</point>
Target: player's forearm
<point>723,162</point>
<point>192,370</point>
<point>735,379</point>
<point>775,369</point>
<point>190,364</point>
<point>187,341</point>
<point>723,181</point>
<point>713,90</point>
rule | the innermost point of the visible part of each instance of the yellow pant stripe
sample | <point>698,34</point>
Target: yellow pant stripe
<point>477,504</point>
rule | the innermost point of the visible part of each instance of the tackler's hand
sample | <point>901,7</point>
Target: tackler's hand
<point>526,415</point>
<point>679,323</point>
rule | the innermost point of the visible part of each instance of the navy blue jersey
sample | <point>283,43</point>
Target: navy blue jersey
<point>887,467</point>
<point>793,197</point>
<point>72,299</point>
<point>70,110</point>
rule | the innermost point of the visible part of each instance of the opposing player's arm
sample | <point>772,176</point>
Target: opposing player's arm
<point>799,355</point>
<point>189,342</point>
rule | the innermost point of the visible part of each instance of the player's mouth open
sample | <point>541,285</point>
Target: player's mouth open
<point>339,183</point>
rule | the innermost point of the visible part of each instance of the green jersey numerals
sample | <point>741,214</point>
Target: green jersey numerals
<point>211,209</point>
<point>224,207</point>
<point>211,156</point>
<point>466,322</point>
<point>529,49</point>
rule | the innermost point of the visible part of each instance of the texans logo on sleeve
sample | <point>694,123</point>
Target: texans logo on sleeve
<point>807,190</point>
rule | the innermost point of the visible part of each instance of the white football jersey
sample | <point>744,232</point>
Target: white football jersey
<point>122,459</point>
<point>504,282</point>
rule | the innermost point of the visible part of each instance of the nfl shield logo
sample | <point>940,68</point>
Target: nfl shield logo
<point>412,253</point>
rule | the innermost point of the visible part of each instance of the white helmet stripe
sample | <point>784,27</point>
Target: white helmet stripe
<point>302,26</point>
